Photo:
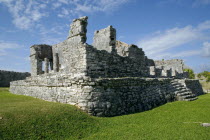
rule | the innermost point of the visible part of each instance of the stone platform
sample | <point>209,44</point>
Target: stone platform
<point>108,96</point>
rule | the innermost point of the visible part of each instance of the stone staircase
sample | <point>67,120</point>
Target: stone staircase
<point>182,93</point>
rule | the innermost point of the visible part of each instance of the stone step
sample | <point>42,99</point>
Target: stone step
<point>183,93</point>
<point>182,98</point>
<point>188,96</point>
<point>174,84</point>
<point>180,88</point>
<point>185,90</point>
<point>191,99</point>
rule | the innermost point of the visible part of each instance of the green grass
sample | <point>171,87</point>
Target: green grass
<point>29,118</point>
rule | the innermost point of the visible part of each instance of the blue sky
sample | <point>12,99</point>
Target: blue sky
<point>165,29</point>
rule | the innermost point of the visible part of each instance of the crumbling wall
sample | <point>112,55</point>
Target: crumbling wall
<point>104,64</point>
<point>194,86</point>
<point>174,65</point>
<point>101,96</point>
<point>105,39</point>
<point>70,55</point>
<point>111,58</point>
<point>122,48</point>
<point>67,57</point>
<point>131,51</point>
<point>8,76</point>
<point>78,30</point>
<point>38,54</point>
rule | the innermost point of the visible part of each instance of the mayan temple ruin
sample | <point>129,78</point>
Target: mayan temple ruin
<point>107,78</point>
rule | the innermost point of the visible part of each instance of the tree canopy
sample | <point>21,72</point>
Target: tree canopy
<point>191,73</point>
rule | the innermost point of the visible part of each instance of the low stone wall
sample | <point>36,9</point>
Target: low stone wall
<point>128,95</point>
<point>194,86</point>
<point>105,96</point>
<point>106,65</point>
<point>7,76</point>
<point>99,97</point>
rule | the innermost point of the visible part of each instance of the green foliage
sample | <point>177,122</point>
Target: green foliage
<point>208,79</point>
<point>205,74</point>
<point>191,73</point>
<point>29,118</point>
<point>199,75</point>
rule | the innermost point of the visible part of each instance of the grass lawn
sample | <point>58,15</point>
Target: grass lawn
<point>23,117</point>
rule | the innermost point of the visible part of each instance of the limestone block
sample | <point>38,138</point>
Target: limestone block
<point>105,39</point>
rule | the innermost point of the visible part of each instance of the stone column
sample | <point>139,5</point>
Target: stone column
<point>163,72</point>
<point>152,71</point>
<point>46,60</point>
<point>78,30</point>
<point>51,65</point>
<point>36,65</point>
<point>56,62</point>
<point>173,72</point>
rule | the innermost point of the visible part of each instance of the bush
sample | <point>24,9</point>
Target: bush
<point>191,73</point>
<point>205,74</point>
<point>208,79</point>
<point>199,75</point>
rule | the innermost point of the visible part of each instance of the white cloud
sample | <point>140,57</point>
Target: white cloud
<point>52,35</point>
<point>79,7</point>
<point>193,3</point>
<point>7,45</point>
<point>159,44</point>
<point>64,13</point>
<point>204,67</point>
<point>25,14</point>
<point>187,53</point>
<point>201,2</point>
<point>169,39</point>
<point>98,5</point>
<point>28,13</point>
<point>63,1</point>
<point>204,26</point>
<point>56,5</point>
<point>206,49</point>
<point>182,54</point>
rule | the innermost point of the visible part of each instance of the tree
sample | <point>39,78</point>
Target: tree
<point>199,75</point>
<point>191,73</point>
<point>205,74</point>
<point>208,79</point>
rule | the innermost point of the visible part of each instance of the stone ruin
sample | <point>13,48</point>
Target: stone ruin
<point>107,78</point>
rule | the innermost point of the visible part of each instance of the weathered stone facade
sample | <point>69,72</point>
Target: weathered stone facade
<point>107,78</point>
<point>171,68</point>
<point>8,76</point>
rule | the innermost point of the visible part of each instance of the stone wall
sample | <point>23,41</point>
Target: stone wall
<point>38,54</point>
<point>7,76</point>
<point>174,65</point>
<point>101,96</point>
<point>120,96</point>
<point>131,51</point>
<point>71,57</point>
<point>194,86</point>
<point>105,39</point>
<point>100,63</point>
